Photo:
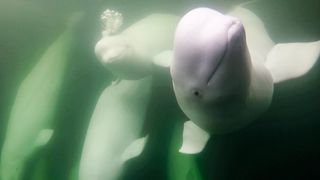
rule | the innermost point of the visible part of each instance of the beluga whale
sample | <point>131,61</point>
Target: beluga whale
<point>114,132</point>
<point>224,68</point>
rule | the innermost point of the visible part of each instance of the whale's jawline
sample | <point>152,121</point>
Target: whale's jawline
<point>210,77</point>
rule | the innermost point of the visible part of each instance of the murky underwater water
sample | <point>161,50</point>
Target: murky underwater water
<point>65,87</point>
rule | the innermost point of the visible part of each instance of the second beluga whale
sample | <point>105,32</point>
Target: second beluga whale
<point>114,132</point>
<point>223,69</point>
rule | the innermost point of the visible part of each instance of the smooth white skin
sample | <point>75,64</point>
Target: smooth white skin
<point>211,67</point>
<point>117,121</point>
<point>117,54</point>
<point>258,40</point>
<point>129,54</point>
<point>284,60</point>
<point>297,59</point>
<point>213,74</point>
<point>119,115</point>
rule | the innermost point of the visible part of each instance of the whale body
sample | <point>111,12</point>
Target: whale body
<point>113,135</point>
<point>31,119</point>
<point>223,69</point>
<point>213,75</point>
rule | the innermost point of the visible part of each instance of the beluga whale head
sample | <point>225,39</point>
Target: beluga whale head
<point>211,71</point>
<point>224,80</point>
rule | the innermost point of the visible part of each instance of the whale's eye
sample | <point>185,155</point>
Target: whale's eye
<point>196,93</point>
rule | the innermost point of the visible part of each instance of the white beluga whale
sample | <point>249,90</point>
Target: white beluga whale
<point>223,69</point>
<point>129,53</point>
<point>214,78</point>
<point>114,132</point>
<point>32,116</point>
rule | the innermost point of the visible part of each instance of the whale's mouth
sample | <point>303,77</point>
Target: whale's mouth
<point>218,62</point>
<point>216,66</point>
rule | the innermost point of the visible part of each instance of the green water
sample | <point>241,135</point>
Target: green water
<point>282,143</point>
